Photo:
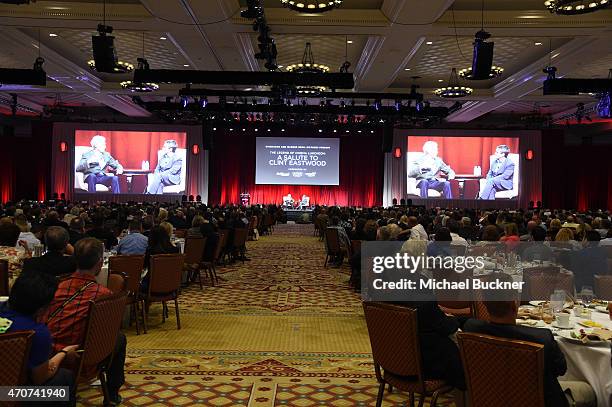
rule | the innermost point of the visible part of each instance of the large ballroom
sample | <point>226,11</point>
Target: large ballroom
<point>343,203</point>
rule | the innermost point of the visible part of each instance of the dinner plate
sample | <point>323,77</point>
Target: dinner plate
<point>567,335</point>
<point>537,303</point>
<point>592,325</point>
<point>599,308</point>
<point>570,326</point>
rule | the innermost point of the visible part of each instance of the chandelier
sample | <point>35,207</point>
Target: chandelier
<point>453,88</point>
<point>121,67</point>
<point>495,72</point>
<point>572,7</point>
<point>143,65</point>
<point>312,6</point>
<point>308,64</point>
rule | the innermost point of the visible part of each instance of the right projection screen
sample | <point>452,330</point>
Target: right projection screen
<point>486,168</point>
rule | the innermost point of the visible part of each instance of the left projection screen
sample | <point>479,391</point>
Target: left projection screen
<point>130,162</point>
<point>297,161</point>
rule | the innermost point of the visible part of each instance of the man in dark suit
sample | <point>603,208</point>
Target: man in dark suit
<point>503,309</point>
<point>93,163</point>
<point>76,230</point>
<point>168,170</point>
<point>54,262</point>
<point>500,175</point>
<point>427,169</point>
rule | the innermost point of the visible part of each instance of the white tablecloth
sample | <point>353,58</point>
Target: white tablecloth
<point>591,364</point>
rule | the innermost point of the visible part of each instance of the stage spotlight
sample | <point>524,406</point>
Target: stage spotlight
<point>398,105</point>
<point>184,102</point>
<point>342,103</point>
<point>419,106</point>
<point>203,102</point>
<point>377,105</point>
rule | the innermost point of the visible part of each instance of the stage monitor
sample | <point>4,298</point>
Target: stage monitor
<point>297,161</point>
<point>484,168</point>
<point>130,162</point>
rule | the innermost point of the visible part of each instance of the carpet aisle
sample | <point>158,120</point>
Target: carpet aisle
<point>279,330</point>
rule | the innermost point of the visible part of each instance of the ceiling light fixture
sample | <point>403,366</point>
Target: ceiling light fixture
<point>52,35</point>
<point>308,64</point>
<point>573,7</point>
<point>143,65</point>
<point>453,88</point>
<point>311,6</point>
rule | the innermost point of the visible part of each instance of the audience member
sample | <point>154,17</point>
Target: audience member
<point>135,242</point>
<point>55,261</point>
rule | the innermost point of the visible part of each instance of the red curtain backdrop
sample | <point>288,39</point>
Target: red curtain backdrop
<point>25,164</point>
<point>463,153</point>
<point>575,176</point>
<point>131,147</point>
<point>232,171</point>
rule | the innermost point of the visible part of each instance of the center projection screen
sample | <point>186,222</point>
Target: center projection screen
<point>130,162</point>
<point>442,167</point>
<point>297,161</point>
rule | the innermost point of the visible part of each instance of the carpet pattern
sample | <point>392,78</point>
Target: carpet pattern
<point>279,330</point>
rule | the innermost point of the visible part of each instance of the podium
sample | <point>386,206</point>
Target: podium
<point>245,199</point>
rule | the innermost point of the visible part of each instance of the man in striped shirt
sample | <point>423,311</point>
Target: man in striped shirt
<point>68,312</point>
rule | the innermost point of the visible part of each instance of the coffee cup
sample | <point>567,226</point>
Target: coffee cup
<point>563,319</point>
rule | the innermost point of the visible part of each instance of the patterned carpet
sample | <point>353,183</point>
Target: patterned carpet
<point>279,330</point>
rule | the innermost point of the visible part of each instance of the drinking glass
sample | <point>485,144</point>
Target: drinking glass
<point>556,301</point>
<point>586,295</point>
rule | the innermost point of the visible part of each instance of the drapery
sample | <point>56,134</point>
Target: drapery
<point>232,171</point>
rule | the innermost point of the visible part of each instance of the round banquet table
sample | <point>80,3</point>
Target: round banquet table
<point>587,363</point>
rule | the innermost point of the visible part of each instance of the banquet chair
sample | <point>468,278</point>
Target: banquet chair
<point>165,272</point>
<point>117,282</point>
<point>539,285</point>
<point>103,324</point>
<point>14,353</point>
<point>454,302</point>
<point>209,266</point>
<point>396,351</point>
<point>603,287</point>
<point>238,245</point>
<point>332,243</point>
<point>132,267</point>
<point>322,228</point>
<point>194,252</point>
<point>180,233</point>
<point>4,278</point>
<point>502,372</point>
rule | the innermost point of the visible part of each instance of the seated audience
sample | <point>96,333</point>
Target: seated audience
<point>589,261</point>
<point>103,233</point>
<point>196,224</point>
<point>26,236</point>
<point>135,242</point>
<point>503,309</point>
<point>537,250</point>
<point>55,261</point>
<point>67,314</point>
<point>30,296</point>
<point>76,231</point>
<point>9,251</point>
<point>417,231</point>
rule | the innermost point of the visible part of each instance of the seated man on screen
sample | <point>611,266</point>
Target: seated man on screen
<point>168,170</point>
<point>500,175</point>
<point>427,171</point>
<point>94,162</point>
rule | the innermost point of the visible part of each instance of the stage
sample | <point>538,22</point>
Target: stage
<point>296,214</point>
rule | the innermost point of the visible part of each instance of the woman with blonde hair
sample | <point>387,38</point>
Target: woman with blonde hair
<point>565,238</point>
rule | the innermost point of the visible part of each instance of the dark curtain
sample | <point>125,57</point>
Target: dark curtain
<point>25,163</point>
<point>232,171</point>
<point>575,176</point>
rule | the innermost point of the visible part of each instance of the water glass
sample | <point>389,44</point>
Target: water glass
<point>556,301</point>
<point>586,295</point>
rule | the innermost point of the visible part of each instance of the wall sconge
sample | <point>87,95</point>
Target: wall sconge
<point>63,146</point>
<point>529,155</point>
<point>195,149</point>
<point>398,152</point>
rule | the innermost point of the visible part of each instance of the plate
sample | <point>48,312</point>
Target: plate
<point>567,335</point>
<point>570,326</point>
<point>590,324</point>
<point>599,308</point>
<point>566,304</point>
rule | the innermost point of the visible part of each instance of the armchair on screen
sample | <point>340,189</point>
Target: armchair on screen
<point>412,187</point>
<point>511,193</point>
<point>288,201</point>
<point>79,177</point>
<point>174,189</point>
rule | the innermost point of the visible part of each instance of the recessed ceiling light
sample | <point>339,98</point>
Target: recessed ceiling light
<point>185,65</point>
<point>429,42</point>
<point>52,35</point>
<point>280,66</point>
<point>406,69</point>
<point>440,80</point>
<point>163,38</point>
<point>537,43</point>
<point>248,89</point>
<point>349,42</point>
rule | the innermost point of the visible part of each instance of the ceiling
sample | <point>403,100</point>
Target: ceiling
<point>389,42</point>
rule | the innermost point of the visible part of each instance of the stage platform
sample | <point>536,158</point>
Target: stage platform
<point>296,214</point>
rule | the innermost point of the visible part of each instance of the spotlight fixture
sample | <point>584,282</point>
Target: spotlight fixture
<point>573,7</point>
<point>104,52</point>
<point>308,64</point>
<point>453,88</point>
<point>203,102</point>
<point>184,102</point>
<point>312,6</point>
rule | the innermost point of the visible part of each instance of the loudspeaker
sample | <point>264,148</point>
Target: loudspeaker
<point>403,202</point>
<point>409,202</point>
<point>482,59</point>
<point>387,143</point>
<point>104,53</point>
